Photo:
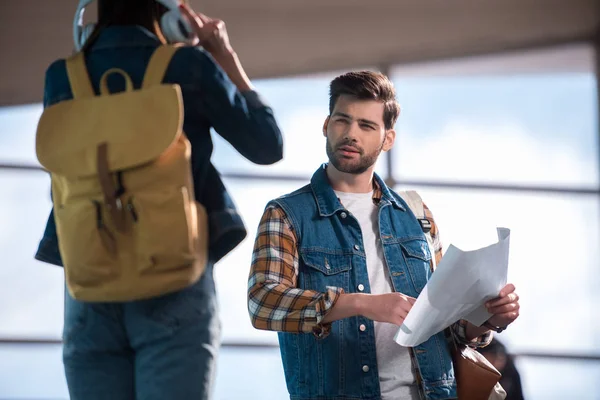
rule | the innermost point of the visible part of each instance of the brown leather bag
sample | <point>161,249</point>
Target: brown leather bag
<point>475,375</point>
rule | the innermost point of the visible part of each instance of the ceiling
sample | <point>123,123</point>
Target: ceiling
<point>291,37</point>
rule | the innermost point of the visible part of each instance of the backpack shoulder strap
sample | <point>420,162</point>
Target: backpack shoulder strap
<point>81,86</point>
<point>158,64</point>
<point>415,203</point>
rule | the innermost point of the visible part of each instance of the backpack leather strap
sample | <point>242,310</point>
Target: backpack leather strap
<point>158,64</point>
<point>111,199</point>
<point>81,86</point>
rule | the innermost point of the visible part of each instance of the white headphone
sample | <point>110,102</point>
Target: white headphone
<point>173,24</point>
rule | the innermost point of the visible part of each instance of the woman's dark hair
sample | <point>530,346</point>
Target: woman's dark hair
<point>146,13</point>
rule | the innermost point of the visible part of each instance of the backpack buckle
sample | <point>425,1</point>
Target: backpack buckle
<point>425,224</point>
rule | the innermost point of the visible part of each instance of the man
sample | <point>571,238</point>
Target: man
<point>337,266</point>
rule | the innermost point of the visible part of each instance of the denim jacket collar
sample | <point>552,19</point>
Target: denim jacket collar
<point>124,36</point>
<point>328,203</point>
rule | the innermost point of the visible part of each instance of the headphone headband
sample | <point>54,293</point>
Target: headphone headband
<point>171,23</point>
<point>78,23</point>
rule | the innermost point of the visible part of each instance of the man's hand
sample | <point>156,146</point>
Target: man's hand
<point>505,307</point>
<point>390,307</point>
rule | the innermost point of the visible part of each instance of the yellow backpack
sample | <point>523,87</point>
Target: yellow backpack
<point>127,221</point>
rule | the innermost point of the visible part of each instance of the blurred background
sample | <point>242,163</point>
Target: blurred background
<point>499,127</point>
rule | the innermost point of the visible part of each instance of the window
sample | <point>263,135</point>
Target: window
<point>301,105</point>
<point>17,133</point>
<point>471,134</point>
<point>231,274</point>
<point>32,292</point>
<point>471,123</point>
<point>553,258</point>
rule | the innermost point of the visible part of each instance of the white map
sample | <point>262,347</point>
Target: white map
<point>458,289</point>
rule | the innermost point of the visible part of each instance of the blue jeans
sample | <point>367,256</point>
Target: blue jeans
<point>161,348</point>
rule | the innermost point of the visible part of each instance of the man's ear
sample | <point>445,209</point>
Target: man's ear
<point>388,141</point>
<point>325,126</point>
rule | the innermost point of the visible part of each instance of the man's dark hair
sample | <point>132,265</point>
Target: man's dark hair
<point>367,85</point>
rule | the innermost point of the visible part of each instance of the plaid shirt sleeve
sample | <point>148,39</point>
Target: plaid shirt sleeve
<point>274,301</point>
<point>459,327</point>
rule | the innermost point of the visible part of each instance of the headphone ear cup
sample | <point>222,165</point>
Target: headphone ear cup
<point>86,32</point>
<point>175,28</point>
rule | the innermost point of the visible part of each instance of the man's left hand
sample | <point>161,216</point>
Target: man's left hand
<point>505,307</point>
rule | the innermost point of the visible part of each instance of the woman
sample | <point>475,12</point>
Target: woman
<point>164,347</point>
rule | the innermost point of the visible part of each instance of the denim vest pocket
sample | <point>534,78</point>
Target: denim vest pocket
<point>418,261</point>
<point>323,269</point>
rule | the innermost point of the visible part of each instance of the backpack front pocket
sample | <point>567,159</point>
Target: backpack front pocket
<point>87,246</point>
<point>164,229</point>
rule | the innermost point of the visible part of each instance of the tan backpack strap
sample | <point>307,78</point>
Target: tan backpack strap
<point>159,62</point>
<point>415,203</point>
<point>81,86</point>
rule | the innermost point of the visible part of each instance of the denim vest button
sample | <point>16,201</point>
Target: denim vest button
<point>356,247</point>
<point>343,214</point>
<point>361,287</point>
<point>362,327</point>
<point>365,368</point>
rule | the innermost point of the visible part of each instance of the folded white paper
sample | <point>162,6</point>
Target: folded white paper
<point>458,289</point>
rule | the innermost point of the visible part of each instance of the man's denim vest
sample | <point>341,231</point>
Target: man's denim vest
<point>343,365</point>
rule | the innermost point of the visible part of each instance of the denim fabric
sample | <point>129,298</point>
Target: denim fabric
<point>343,364</point>
<point>210,100</point>
<point>161,348</point>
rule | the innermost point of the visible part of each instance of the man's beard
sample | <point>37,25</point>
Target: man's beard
<point>351,166</point>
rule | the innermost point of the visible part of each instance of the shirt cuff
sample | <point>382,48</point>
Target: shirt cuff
<point>48,252</point>
<point>323,306</point>
<point>254,99</point>
<point>460,330</point>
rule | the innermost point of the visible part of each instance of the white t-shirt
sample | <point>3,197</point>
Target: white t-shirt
<point>396,376</point>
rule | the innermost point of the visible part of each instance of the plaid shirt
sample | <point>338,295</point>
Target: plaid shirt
<point>276,303</point>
